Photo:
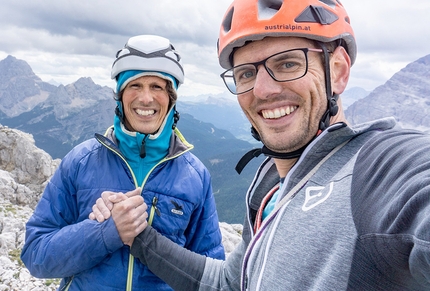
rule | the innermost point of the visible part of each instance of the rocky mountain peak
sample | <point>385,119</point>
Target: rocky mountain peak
<point>20,89</point>
<point>404,96</point>
<point>85,86</point>
<point>26,165</point>
<point>24,172</point>
<point>11,68</point>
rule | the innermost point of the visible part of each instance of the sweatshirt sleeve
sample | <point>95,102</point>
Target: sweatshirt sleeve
<point>180,268</point>
<point>185,270</point>
<point>391,205</point>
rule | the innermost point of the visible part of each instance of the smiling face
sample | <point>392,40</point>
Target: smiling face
<point>285,114</point>
<point>145,104</point>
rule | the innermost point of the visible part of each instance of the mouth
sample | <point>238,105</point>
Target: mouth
<point>278,112</point>
<point>145,112</point>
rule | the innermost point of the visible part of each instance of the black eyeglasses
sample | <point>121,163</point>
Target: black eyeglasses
<point>282,67</point>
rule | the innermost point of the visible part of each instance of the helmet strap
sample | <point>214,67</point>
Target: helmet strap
<point>332,107</point>
<point>254,153</point>
<point>118,112</point>
<point>176,117</point>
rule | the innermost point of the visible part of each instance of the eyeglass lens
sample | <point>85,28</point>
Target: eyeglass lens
<point>284,66</point>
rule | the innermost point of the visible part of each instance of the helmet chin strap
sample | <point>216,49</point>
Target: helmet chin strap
<point>332,110</point>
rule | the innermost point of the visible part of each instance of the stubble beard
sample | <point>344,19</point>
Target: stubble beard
<point>283,142</point>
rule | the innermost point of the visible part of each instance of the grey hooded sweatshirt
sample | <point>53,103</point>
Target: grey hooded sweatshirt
<point>354,214</point>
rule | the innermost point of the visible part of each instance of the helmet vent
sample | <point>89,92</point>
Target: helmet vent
<point>173,55</point>
<point>148,53</point>
<point>347,20</point>
<point>268,8</point>
<point>330,3</point>
<point>226,23</point>
<point>317,14</point>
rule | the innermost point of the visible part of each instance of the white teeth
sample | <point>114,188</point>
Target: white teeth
<point>278,112</point>
<point>145,112</point>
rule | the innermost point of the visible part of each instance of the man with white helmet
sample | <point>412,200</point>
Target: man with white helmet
<point>333,207</point>
<point>143,155</point>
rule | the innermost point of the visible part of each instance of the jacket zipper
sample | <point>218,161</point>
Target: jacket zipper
<point>67,284</point>
<point>281,204</point>
<point>154,210</point>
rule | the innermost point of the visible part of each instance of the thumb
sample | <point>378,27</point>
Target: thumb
<point>117,198</point>
<point>135,192</point>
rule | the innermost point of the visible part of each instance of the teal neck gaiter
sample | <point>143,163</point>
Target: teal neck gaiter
<point>156,146</point>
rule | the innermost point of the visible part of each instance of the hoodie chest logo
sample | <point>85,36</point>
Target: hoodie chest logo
<point>316,195</point>
<point>178,208</point>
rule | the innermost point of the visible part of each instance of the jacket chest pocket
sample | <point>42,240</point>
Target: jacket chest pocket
<point>169,215</point>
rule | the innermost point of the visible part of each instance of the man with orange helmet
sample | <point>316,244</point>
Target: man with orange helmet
<point>332,207</point>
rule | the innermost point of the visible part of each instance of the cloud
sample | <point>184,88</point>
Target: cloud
<point>389,36</point>
<point>65,40</point>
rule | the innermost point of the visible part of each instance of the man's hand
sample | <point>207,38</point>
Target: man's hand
<point>103,207</point>
<point>128,211</point>
<point>129,215</point>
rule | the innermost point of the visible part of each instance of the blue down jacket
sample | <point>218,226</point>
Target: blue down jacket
<point>61,242</point>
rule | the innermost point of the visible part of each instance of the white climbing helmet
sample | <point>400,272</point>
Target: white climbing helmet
<point>149,53</point>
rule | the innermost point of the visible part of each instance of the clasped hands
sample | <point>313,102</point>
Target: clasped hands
<point>128,211</point>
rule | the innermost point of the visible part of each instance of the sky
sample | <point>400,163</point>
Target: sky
<point>65,40</point>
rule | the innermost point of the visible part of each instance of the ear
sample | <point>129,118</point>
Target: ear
<point>340,69</point>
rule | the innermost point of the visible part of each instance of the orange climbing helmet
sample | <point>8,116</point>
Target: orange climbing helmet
<point>251,20</point>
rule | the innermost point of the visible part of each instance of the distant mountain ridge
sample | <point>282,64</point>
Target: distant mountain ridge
<point>352,95</point>
<point>222,112</point>
<point>61,117</point>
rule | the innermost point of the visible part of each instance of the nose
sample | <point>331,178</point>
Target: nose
<point>145,95</point>
<point>265,86</point>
